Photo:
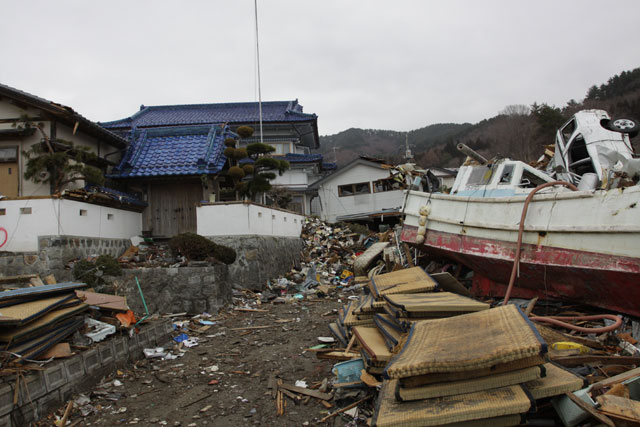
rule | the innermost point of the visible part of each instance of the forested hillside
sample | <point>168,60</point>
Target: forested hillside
<point>519,131</point>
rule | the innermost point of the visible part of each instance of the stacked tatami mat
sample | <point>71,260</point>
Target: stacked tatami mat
<point>35,319</point>
<point>447,359</point>
<point>483,368</point>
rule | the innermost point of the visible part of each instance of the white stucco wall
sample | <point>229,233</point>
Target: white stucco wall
<point>332,205</point>
<point>238,219</point>
<point>296,177</point>
<point>52,217</point>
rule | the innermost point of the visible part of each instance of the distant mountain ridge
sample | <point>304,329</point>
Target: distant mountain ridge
<point>519,131</point>
<point>386,144</point>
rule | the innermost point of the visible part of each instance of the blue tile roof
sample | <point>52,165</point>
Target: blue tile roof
<point>165,151</point>
<point>232,113</point>
<point>300,158</point>
<point>329,166</point>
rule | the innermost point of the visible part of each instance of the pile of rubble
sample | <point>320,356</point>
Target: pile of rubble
<point>428,354</point>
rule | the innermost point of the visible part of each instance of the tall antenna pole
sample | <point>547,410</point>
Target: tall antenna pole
<point>255,3</point>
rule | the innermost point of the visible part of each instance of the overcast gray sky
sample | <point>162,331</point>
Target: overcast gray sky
<point>396,65</point>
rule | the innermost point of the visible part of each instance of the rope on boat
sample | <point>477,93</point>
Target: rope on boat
<point>557,320</point>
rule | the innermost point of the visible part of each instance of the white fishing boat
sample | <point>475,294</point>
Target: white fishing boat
<point>579,239</point>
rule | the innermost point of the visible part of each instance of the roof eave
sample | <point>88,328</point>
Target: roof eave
<point>64,114</point>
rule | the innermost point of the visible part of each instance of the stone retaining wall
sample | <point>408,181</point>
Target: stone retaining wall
<point>52,387</point>
<point>60,249</point>
<point>260,258</point>
<point>54,252</point>
<point>168,290</point>
<point>174,290</point>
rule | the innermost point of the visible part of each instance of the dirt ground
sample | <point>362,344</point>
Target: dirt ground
<point>191,391</point>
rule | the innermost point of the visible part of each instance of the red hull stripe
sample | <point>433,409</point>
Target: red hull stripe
<point>606,281</point>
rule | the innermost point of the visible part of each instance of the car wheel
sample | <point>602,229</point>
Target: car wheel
<point>623,125</point>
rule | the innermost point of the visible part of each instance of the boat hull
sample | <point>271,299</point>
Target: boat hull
<point>564,263</point>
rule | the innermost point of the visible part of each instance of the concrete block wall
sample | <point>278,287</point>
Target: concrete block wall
<point>52,387</point>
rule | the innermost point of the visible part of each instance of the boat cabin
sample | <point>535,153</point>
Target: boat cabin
<point>502,178</point>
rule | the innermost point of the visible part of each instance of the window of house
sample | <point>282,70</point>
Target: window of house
<point>354,189</point>
<point>25,211</point>
<point>110,217</point>
<point>83,212</point>
<point>3,211</point>
<point>8,154</point>
<point>386,184</point>
<point>282,148</point>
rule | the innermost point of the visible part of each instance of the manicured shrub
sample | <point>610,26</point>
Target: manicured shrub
<point>229,152</point>
<point>236,172</point>
<point>239,153</point>
<point>244,131</point>
<point>198,248</point>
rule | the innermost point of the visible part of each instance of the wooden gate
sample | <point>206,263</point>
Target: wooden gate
<point>172,207</point>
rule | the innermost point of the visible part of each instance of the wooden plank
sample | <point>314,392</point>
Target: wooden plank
<point>620,408</point>
<point>280,404</point>
<point>273,386</point>
<point>50,279</point>
<point>407,251</point>
<point>108,301</point>
<point>306,391</point>
<point>346,408</point>
<point>617,379</point>
<point>248,328</point>
<point>591,411</point>
<point>337,355</point>
<point>37,281</point>
<point>17,279</point>
<point>573,361</point>
<point>296,399</point>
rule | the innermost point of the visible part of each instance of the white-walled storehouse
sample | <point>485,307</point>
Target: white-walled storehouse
<point>362,189</point>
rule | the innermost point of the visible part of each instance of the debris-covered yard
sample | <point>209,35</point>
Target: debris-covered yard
<point>225,378</point>
<point>365,331</point>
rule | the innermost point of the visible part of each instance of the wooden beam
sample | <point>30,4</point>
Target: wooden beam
<point>591,411</point>
<point>573,361</point>
<point>306,391</point>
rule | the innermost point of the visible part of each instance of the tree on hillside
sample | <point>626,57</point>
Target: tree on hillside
<point>549,118</point>
<point>516,110</point>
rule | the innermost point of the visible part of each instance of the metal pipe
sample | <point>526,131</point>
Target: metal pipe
<point>465,149</point>
<point>143,302</point>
